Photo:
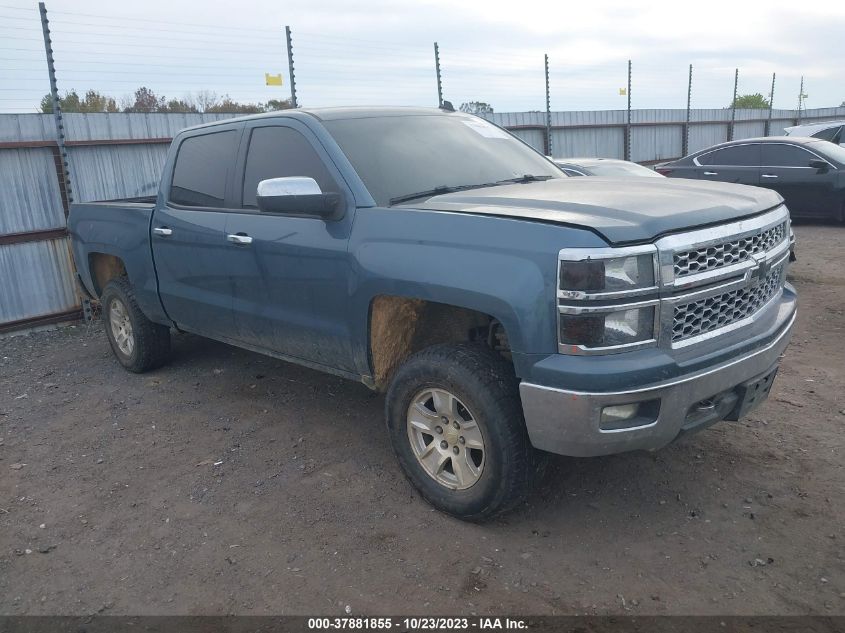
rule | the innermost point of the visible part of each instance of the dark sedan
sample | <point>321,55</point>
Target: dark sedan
<point>809,173</point>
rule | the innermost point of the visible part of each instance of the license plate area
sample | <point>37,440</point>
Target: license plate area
<point>752,394</point>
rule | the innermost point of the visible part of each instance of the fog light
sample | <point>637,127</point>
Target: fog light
<point>618,413</point>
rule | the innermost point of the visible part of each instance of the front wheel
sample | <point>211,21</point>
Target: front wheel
<point>138,343</point>
<point>455,422</point>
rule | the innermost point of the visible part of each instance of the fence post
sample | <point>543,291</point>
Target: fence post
<point>293,101</point>
<point>627,149</point>
<point>64,166</point>
<point>685,143</point>
<point>733,107</point>
<point>800,100</point>
<point>439,78</point>
<point>548,112</point>
<point>771,105</point>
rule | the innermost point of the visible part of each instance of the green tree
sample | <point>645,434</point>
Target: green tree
<point>476,107</point>
<point>755,101</point>
<point>145,101</point>
<point>278,104</point>
<point>93,101</point>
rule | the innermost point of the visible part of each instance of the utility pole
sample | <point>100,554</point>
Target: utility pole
<point>800,100</point>
<point>733,107</point>
<point>771,105</point>
<point>439,78</point>
<point>685,143</point>
<point>548,112</point>
<point>63,168</point>
<point>627,151</point>
<point>293,101</point>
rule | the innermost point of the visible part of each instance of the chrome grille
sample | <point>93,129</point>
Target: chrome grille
<point>702,316</point>
<point>729,252</point>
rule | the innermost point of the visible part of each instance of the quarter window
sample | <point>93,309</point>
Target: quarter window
<point>278,152</point>
<point>782,155</point>
<point>830,134</point>
<point>202,169</point>
<point>747,155</point>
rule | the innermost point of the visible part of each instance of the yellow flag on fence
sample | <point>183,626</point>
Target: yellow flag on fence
<point>623,92</point>
<point>273,80</point>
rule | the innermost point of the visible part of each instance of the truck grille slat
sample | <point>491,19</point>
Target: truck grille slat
<point>729,252</point>
<point>702,316</point>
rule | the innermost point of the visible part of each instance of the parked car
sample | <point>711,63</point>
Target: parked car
<point>833,131</point>
<point>501,306</point>
<point>609,167</point>
<point>807,172</point>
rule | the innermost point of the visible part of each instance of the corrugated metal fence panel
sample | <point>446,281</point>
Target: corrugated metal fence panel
<point>36,279</point>
<point>749,129</point>
<point>579,142</point>
<point>107,172</point>
<point>535,138</point>
<point>653,142</point>
<point>27,127</point>
<point>29,191</point>
<point>132,125</point>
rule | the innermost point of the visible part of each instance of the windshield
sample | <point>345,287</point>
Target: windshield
<point>397,156</point>
<point>621,169</point>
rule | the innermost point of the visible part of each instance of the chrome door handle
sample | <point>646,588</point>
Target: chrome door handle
<point>711,173</point>
<point>163,231</point>
<point>239,238</point>
<point>768,176</point>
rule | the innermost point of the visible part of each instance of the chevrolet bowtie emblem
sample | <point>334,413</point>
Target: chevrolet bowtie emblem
<point>760,270</point>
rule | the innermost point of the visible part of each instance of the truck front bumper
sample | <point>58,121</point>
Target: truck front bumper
<point>571,422</point>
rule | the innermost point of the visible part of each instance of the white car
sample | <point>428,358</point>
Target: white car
<point>833,131</point>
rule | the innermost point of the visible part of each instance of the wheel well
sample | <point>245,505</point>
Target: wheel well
<point>401,326</point>
<point>103,269</point>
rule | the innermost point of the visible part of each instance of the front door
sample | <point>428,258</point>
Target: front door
<point>735,163</point>
<point>188,235</point>
<point>291,286</point>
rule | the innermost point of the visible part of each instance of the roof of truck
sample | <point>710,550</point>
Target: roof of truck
<point>329,114</point>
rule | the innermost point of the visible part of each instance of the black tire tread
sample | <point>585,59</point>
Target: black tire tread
<point>152,340</point>
<point>495,376</point>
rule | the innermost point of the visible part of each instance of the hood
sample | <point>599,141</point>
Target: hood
<point>621,210</point>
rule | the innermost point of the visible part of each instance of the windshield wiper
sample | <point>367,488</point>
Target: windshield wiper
<point>438,191</point>
<point>525,178</point>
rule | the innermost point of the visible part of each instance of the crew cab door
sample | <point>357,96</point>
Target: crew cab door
<point>807,191</point>
<point>190,250</point>
<point>292,278</point>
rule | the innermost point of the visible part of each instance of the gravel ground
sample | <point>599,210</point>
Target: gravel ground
<point>228,482</point>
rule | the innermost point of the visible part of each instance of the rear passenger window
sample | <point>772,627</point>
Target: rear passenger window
<point>202,169</point>
<point>278,152</point>
<point>827,135</point>
<point>780,155</point>
<point>737,155</point>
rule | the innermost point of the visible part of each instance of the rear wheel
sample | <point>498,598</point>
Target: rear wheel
<point>455,422</point>
<point>139,344</point>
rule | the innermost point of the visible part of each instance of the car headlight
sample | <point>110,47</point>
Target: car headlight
<point>607,299</point>
<point>632,274</point>
<point>608,327</point>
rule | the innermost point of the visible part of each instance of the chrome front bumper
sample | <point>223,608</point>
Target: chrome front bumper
<point>569,422</point>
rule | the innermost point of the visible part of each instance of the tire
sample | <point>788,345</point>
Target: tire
<point>483,482</point>
<point>139,344</point>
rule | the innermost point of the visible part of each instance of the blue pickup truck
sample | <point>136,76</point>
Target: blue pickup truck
<point>505,309</point>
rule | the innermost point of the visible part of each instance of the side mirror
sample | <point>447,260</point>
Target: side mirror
<point>297,196</point>
<point>821,165</point>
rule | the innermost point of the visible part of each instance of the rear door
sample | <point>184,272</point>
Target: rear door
<point>735,163</point>
<point>188,238</point>
<point>292,278</point>
<point>806,190</point>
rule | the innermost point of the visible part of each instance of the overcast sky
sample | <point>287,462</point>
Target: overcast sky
<point>380,52</point>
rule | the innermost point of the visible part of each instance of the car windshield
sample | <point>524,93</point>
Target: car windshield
<point>398,156</point>
<point>829,150</point>
<point>621,169</point>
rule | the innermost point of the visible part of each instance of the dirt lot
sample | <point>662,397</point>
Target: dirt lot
<point>228,482</point>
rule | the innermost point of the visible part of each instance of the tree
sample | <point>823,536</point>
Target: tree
<point>278,104</point>
<point>476,107</point>
<point>751,102</point>
<point>71,102</point>
<point>145,101</point>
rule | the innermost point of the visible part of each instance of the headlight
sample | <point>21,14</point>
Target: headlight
<point>581,278</point>
<point>594,329</point>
